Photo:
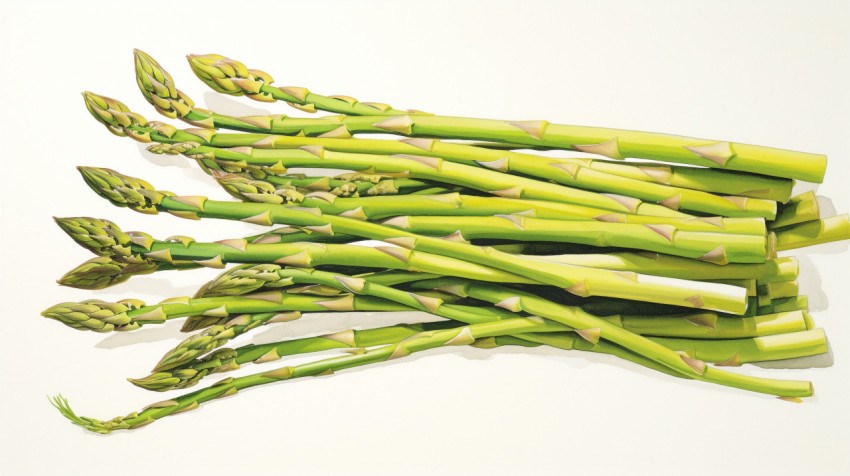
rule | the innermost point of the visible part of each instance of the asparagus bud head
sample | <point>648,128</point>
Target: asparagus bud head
<point>116,116</point>
<point>244,279</point>
<point>172,149</point>
<point>196,346</point>
<point>259,190</point>
<point>230,76</point>
<point>103,272</point>
<point>94,315</point>
<point>101,237</point>
<point>221,360</point>
<point>158,88</point>
<point>123,190</point>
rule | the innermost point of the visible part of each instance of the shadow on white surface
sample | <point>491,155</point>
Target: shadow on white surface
<point>230,106</point>
<point>151,333</point>
<point>152,286</point>
<point>826,207</point>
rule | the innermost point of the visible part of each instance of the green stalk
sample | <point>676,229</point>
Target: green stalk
<point>742,350</point>
<point>228,76</point>
<point>131,314</point>
<point>434,169</point>
<point>574,317</point>
<point>709,325</point>
<point>685,187</point>
<point>423,341</point>
<point>658,238</point>
<point>773,270</point>
<point>138,253</point>
<point>799,209</point>
<point>140,196</point>
<point>456,204</point>
<point>189,373</point>
<point>735,352</point>
<point>118,119</point>
<point>612,143</point>
<point>192,370</point>
<point>644,182</point>
<point>248,279</point>
<point>812,233</point>
<point>706,325</point>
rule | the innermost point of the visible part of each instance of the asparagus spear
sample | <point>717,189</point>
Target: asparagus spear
<point>518,301</point>
<point>253,190</point>
<point>773,270</point>
<point>437,169</point>
<point>680,186</point>
<point>232,77</point>
<point>423,341</point>
<point>735,352</point>
<point>188,373</point>
<point>147,255</point>
<point>702,325</point>
<point>676,186</point>
<point>140,196</point>
<point>271,277</point>
<point>120,121</point>
<point>191,370</point>
<point>705,325</point>
<point>659,238</point>
<point>128,315</point>
<point>612,143</point>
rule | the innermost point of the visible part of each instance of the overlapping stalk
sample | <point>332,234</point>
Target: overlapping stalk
<point>612,143</point>
<point>464,335</point>
<point>115,115</point>
<point>523,302</point>
<point>139,253</point>
<point>728,352</point>
<point>650,182</point>
<point>456,204</point>
<point>138,195</point>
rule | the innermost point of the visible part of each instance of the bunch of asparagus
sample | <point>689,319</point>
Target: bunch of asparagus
<point>672,267</point>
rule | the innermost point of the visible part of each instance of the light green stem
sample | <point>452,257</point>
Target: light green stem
<point>812,233</point>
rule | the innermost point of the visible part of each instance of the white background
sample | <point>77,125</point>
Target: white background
<point>772,73</point>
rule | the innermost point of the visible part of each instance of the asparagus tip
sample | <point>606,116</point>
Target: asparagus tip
<point>61,403</point>
<point>123,190</point>
<point>158,88</point>
<point>92,314</point>
<point>116,116</point>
